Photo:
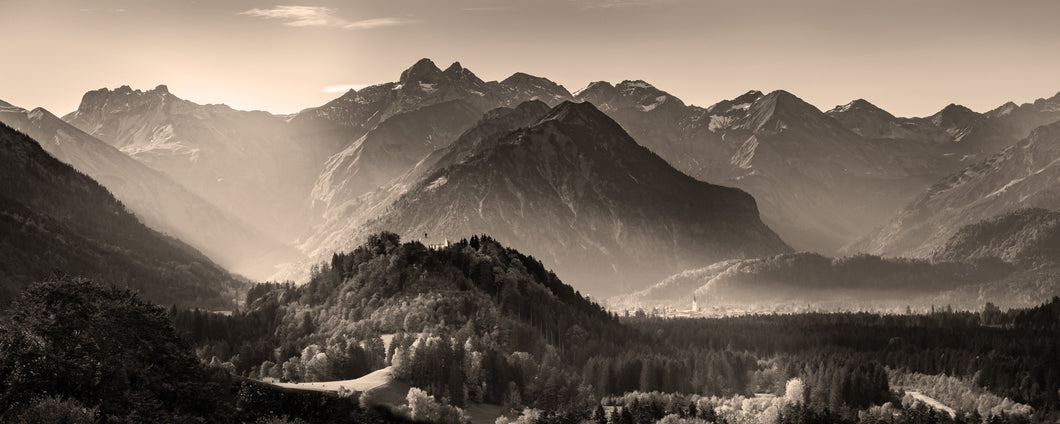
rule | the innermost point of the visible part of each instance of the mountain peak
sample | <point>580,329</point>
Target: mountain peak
<point>575,112</point>
<point>161,89</point>
<point>423,70</point>
<point>1003,110</point>
<point>783,95</point>
<point>522,77</point>
<point>455,68</point>
<point>859,106</point>
<point>633,84</point>
<point>779,109</point>
<point>954,108</point>
<point>854,105</point>
<point>784,100</point>
<point>595,86</point>
<point>954,114</point>
<point>748,97</point>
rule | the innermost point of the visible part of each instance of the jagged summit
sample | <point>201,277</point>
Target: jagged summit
<point>424,71</point>
<point>954,115</point>
<point>736,105</point>
<point>520,87</point>
<point>954,110</point>
<point>779,109</point>
<point>855,105</point>
<point>861,107</point>
<point>632,85</point>
<point>594,87</point>
<point>455,68</point>
<point>748,97</point>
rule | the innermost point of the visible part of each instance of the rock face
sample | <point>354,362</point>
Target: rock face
<point>577,191</point>
<point>156,199</point>
<point>56,220</point>
<point>1021,176</point>
<point>246,163</point>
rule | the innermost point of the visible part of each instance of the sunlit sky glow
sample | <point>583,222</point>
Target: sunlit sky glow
<point>909,57</point>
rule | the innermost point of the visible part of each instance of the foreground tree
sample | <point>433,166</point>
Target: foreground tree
<point>105,348</point>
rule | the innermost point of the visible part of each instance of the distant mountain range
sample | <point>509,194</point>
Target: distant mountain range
<point>1012,259</point>
<point>57,221</point>
<point>594,188</point>
<point>579,193</point>
<point>157,200</point>
<point>1023,175</point>
<point>248,164</point>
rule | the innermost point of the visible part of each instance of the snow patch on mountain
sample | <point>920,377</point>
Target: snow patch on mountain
<point>440,181</point>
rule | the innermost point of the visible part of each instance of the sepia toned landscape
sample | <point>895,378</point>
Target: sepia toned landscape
<point>566,211</point>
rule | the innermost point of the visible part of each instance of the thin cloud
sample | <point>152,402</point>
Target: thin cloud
<point>97,9</point>
<point>318,16</point>
<point>375,23</point>
<point>342,88</point>
<point>484,9</point>
<point>607,4</point>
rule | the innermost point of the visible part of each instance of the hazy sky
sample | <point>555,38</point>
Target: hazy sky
<point>909,57</point>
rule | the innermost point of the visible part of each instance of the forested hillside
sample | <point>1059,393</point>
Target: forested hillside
<point>477,323</point>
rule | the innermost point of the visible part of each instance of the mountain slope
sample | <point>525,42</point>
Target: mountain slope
<point>344,219</point>
<point>390,149</point>
<point>382,132</point>
<point>249,164</point>
<point>576,190</point>
<point>1021,176</point>
<point>818,184</point>
<point>1028,237</point>
<point>57,220</point>
<point>157,200</point>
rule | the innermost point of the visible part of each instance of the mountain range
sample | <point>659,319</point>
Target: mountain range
<point>248,164</point>
<point>576,191</point>
<point>155,199</point>
<point>57,221</point>
<point>616,185</point>
<point>1020,176</point>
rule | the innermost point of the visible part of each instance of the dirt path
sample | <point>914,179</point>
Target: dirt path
<point>932,402</point>
<point>370,381</point>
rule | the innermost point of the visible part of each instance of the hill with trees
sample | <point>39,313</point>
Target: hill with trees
<point>479,323</point>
